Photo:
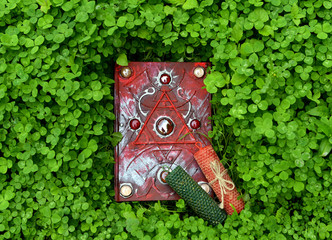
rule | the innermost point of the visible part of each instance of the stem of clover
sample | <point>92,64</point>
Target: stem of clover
<point>207,137</point>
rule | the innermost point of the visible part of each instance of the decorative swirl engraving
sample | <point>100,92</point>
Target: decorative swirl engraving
<point>146,92</point>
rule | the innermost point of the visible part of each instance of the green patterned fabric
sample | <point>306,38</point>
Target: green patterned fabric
<point>202,204</point>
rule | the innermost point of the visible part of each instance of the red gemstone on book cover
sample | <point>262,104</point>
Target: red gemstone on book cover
<point>162,112</point>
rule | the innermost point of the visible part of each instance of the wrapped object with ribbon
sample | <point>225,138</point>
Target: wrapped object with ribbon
<point>219,179</point>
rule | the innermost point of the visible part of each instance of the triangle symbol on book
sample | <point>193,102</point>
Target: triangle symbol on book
<point>165,108</point>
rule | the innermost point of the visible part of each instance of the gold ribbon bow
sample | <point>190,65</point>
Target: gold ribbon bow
<point>215,167</point>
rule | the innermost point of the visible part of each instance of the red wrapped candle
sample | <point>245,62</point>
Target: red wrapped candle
<point>219,179</point>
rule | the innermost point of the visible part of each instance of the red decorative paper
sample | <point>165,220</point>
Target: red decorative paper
<point>205,156</point>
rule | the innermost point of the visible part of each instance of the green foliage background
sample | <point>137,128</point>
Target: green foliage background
<point>272,93</point>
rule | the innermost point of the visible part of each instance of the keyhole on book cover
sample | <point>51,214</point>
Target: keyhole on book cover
<point>165,126</point>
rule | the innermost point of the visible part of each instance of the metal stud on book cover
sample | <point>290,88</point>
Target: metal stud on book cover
<point>162,111</point>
